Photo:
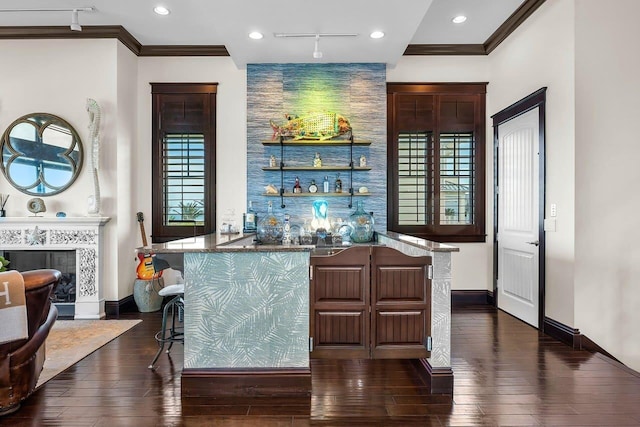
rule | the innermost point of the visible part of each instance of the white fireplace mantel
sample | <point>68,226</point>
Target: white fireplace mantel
<point>82,234</point>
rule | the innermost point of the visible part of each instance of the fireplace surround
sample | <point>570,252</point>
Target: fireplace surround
<point>84,235</point>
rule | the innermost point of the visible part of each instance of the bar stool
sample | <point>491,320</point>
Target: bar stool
<point>175,333</point>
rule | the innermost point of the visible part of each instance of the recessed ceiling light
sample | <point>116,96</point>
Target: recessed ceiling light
<point>255,35</point>
<point>459,19</point>
<point>376,35</point>
<point>161,10</point>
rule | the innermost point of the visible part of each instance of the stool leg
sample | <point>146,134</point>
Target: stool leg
<point>162,333</point>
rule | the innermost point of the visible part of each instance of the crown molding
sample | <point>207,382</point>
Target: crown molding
<point>445,49</point>
<point>191,50</point>
<point>521,14</point>
<point>64,32</point>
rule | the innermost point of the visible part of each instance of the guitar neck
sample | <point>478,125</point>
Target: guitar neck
<point>144,234</point>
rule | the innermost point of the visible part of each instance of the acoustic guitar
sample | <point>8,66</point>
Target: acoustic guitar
<point>145,269</point>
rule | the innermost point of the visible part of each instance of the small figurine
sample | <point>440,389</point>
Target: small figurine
<point>317,161</point>
<point>272,161</point>
<point>363,161</point>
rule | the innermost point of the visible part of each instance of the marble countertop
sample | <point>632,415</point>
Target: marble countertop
<point>421,243</point>
<point>245,243</point>
<point>220,243</point>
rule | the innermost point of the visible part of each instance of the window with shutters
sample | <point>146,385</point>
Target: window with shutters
<point>183,153</point>
<point>435,154</point>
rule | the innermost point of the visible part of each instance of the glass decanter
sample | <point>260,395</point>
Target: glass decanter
<point>270,228</point>
<point>361,223</point>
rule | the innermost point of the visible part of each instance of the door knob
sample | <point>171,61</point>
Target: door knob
<point>536,243</point>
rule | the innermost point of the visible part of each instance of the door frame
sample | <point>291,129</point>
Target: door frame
<point>529,102</point>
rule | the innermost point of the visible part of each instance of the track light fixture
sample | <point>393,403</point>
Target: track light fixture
<point>74,21</point>
<point>317,54</point>
<point>75,25</point>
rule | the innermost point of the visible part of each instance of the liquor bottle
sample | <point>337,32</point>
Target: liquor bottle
<point>325,185</point>
<point>296,187</point>
<point>249,220</point>
<point>286,231</point>
<point>338,184</point>
<point>313,188</point>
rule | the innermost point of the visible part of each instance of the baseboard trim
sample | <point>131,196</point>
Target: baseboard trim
<point>439,380</point>
<point>126,305</point>
<point>247,382</point>
<point>573,338</point>
<point>562,332</point>
<point>587,344</point>
<point>471,297</point>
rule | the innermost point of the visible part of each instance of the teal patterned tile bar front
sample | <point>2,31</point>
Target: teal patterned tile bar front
<point>246,310</point>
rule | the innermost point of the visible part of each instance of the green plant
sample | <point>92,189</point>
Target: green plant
<point>449,212</point>
<point>3,263</point>
<point>190,211</point>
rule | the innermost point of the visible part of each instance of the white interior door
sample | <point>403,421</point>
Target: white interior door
<point>518,201</point>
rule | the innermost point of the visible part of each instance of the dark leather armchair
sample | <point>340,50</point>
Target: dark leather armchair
<point>21,361</point>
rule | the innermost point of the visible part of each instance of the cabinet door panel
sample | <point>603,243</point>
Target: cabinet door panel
<point>339,321</point>
<point>400,300</point>
<point>341,334</point>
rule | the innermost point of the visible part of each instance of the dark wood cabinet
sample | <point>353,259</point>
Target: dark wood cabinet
<point>400,304</point>
<point>340,295</point>
<point>369,302</point>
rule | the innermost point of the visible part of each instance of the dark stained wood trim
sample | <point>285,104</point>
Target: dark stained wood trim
<point>196,50</point>
<point>64,32</point>
<point>439,380</point>
<point>110,31</point>
<point>587,344</point>
<point>246,382</point>
<point>535,99</point>
<point>113,309</point>
<point>562,332</point>
<point>444,49</point>
<point>521,14</point>
<point>471,297</point>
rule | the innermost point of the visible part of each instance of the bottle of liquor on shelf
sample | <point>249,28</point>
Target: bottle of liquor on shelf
<point>338,184</point>
<point>296,187</point>
<point>286,231</point>
<point>325,185</point>
<point>249,220</point>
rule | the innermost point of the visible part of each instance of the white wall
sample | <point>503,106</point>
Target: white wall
<point>607,176</point>
<point>57,77</point>
<point>231,126</point>
<point>472,267</point>
<point>541,53</point>
<point>128,188</point>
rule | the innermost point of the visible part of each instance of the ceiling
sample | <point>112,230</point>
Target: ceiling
<point>416,24</point>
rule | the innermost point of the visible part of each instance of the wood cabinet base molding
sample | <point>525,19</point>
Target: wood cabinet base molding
<point>253,382</point>
<point>439,380</point>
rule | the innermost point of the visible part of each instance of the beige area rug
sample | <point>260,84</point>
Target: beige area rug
<point>72,340</point>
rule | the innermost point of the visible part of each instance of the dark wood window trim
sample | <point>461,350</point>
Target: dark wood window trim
<point>431,118</point>
<point>188,120</point>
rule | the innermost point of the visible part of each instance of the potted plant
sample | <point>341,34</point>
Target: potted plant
<point>3,263</point>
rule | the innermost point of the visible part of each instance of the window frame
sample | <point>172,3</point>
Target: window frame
<point>469,92</point>
<point>161,93</point>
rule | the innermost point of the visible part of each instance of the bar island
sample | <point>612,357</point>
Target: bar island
<point>248,327</point>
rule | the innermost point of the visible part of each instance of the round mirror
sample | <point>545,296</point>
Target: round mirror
<point>41,154</point>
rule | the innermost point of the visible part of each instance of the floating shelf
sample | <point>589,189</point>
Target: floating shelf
<point>311,168</point>
<point>344,194</point>
<point>307,142</point>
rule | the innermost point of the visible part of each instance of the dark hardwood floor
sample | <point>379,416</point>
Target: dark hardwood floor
<point>505,374</point>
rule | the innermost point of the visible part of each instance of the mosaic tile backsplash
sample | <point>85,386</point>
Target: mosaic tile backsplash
<point>355,91</point>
